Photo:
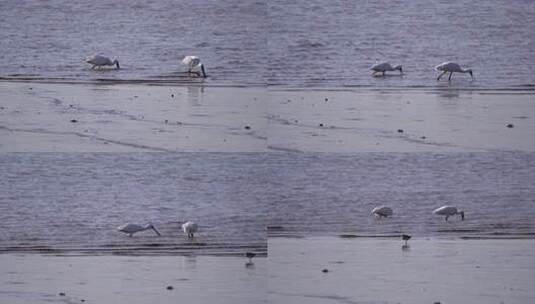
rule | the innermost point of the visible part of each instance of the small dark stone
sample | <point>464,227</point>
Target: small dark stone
<point>74,120</point>
<point>247,128</point>
<point>423,137</point>
<point>400,130</point>
<point>62,294</point>
<point>169,287</point>
<point>510,125</point>
<point>82,300</point>
<point>326,99</point>
<point>325,270</point>
<point>172,95</point>
<point>321,125</point>
<point>135,96</point>
<point>166,121</point>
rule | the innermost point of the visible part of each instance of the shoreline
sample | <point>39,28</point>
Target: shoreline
<point>335,270</point>
<point>37,117</point>
<point>28,278</point>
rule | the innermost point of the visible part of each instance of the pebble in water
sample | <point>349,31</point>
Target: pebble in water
<point>510,125</point>
<point>400,130</point>
<point>74,120</point>
<point>247,128</point>
<point>62,294</point>
<point>325,270</point>
<point>169,287</point>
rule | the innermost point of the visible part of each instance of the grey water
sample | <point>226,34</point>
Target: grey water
<point>298,43</point>
<point>328,194</point>
<point>68,203</point>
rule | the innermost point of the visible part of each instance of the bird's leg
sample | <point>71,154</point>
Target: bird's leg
<point>447,217</point>
<point>384,73</point>
<point>442,74</point>
<point>449,78</point>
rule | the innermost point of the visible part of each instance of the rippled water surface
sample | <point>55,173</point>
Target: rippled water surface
<point>302,43</point>
<point>75,201</point>
<point>333,194</point>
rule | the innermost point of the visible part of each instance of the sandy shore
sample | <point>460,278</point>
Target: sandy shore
<point>41,117</point>
<point>371,270</point>
<point>36,278</point>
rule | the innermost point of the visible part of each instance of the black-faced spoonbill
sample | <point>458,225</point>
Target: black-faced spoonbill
<point>130,229</point>
<point>383,67</point>
<point>448,211</point>
<point>382,211</point>
<point>99,61</point>
<point>189,228</point>
<point>194,64</point>
<point>451,67</point>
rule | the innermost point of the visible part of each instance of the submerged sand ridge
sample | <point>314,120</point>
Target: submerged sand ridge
<point>37,117</point>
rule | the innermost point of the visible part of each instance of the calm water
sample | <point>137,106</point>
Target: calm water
<point>330,194</point>
<point>304,43</point>
<point>75,201</point>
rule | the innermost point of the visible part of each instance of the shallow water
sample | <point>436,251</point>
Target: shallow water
<point>73,202</point>
<point>333,194</point>
<point>305,43</point>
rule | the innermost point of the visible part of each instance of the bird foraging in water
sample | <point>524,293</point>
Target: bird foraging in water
<point>130,229</point>
<point>448,211</point>
<point>383,67</point>
<point>189,228</point>
<point>100,61</point>
<point>250,256</point>
<point>194,65</point>
<point>382,211</point>
<point>451,67</point>
<point>406,238</point>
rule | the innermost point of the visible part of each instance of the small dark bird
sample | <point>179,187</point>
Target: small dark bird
<point>406,238</point>
<point>250,255</point>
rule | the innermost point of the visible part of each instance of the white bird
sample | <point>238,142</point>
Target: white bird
<point>189,228</point>
<point>451,67</point>
<point>194,64</point>
<point>130,229</point>
<point>99,61</point>
<point>383,67</point>
<point>382,211</point>
<point>448,211</point>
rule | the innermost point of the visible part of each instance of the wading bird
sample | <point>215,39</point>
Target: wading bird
<point>250,256</point>
<point>406,238</point>
<point>130,229</point>
<point>448,211</point>
<point>451,67</point>
<point>189,228</point>
<point>382,211</point>
<point>383,67</point>
<point>100,61</point>
<point>194,64</point>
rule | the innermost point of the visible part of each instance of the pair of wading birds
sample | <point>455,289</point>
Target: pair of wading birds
<point>193,63</point>
<point>383,211</point>
<point>188,227</point>
<point>446,67</point>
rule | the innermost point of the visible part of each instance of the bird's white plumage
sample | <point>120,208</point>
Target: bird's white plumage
<point>382,211</point>
<point>451,67</point>
<point>194,64</point>
<point>384,67</point>
<point>130,229</point>
<point>448,211</point>
<point>189,228</point>
<point>99,61</point>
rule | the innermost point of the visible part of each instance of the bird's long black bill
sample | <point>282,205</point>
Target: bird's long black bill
<point>203,71</point>
<point>158,233</point>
